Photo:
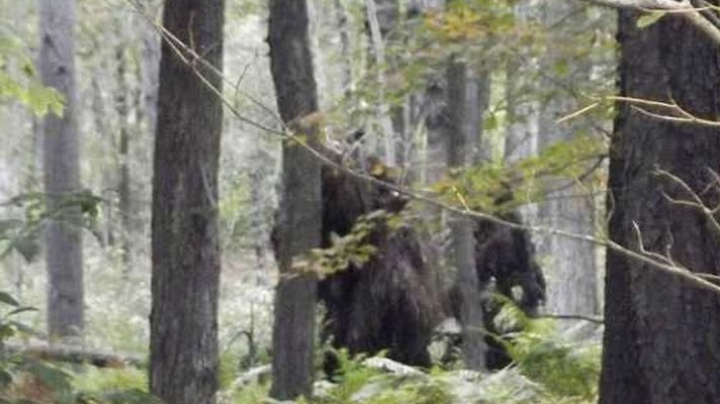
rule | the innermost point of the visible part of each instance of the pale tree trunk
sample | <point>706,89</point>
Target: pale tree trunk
<point>100,127</point>
<point>428,110</point>
<point>343,26</point>
<point>122,106</point>
<point>521,137</point>
<point>301,211</point>
<point>463,110</point>
<point>149,65</point>
<point>569,263</point>
<point>382,17</point>
<point>258,174</point>
<point>478,83</point>
<point>185,247</point>
<point>61,166</point>
<point>146,108</point>
<point>522,113</point>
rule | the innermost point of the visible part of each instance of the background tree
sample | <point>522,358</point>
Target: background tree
<point>569,204</point>
<point>464,121</point>
<point>185,247</point>
<point>662,336</point>
<point>61,154</point>
<point>301,215</point>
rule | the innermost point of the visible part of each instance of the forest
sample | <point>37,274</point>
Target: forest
<point>360,201</point>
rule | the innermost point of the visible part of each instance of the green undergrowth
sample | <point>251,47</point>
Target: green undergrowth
<point>548,370</point>
<point>565,368</point>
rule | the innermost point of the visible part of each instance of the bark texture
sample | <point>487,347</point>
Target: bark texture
<point>61,153</point>
<point>464,111</point>
<point>662,336</point>
<point>300,212</point>
<point>185,248</point>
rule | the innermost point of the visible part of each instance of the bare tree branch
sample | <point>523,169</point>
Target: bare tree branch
<point>683,7</point>
<point>653,260</point>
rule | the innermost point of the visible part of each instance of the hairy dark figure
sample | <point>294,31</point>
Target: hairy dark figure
<point>389,303</point>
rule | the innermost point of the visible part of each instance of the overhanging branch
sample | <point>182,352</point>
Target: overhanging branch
<point>684,8</point>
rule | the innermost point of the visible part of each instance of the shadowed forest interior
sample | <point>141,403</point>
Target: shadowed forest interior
<point>360,201</point>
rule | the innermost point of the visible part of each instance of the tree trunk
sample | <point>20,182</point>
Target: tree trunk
<point>463,111</point>
<point>571,264</point>
<point>148,64</point>
<point>662,336</point>
<point>522,113</point>
<point>61,151</point>
<point>185,246</point>
<point>382,17</point>
<point>343,27</point>
<point>299,225</point>
<point>122,106</point>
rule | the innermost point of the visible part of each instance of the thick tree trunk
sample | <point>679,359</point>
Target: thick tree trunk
<point>463,120</point>
<point>61,151</point>
<point>299,228</point>
<point>662,336</point>
<point>185,246</point>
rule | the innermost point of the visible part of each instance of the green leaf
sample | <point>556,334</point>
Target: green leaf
<point>650,18</point>
<point>8,226</point>
<point>28,247</point>
<point>5,379</point>
<point>6,331</point>
<point>394,222</point>
<point>56,379</point>
<point>561,67</point>
<point>491,122</point>
<point>20,310</point>
<point>7,299</point>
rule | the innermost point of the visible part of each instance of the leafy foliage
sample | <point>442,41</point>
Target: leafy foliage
<point>26,379</point>
<point>353,376</point>
<point>352,248</point>
<point>21,235</point>
<point>500,188</point>
<point>19,81</point>
<point>541,354</point>
<point>112,386</point>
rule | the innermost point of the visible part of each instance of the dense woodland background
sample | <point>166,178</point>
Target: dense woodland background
<point>377,201</point>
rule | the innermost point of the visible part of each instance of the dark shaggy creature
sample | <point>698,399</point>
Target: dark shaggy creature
<point>389,303</point>
<point>507,256</point>
<point>393,302</point>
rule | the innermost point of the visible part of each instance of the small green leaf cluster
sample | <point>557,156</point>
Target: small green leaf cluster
<point>353,376</point>
<point>29,380</point>
<point>350,249</point>
<point>499,188</point>
<point>19,81</point>
<point>564,369</point>
<point>22,378</point>
<point>110,386</point>
<point>79,209</point>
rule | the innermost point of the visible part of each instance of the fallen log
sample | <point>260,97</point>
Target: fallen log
<point>76,355</point>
